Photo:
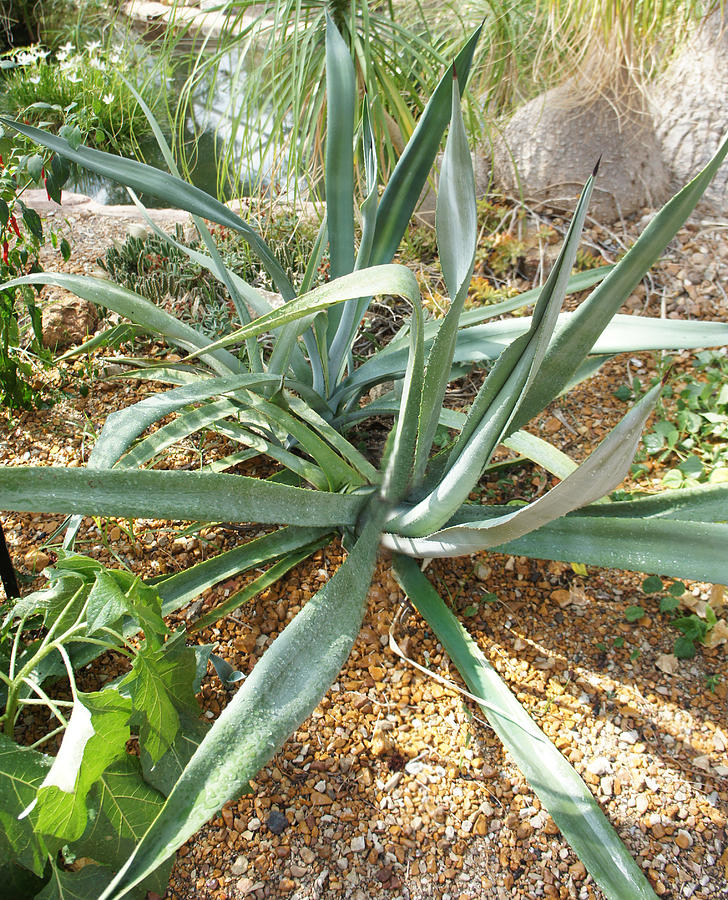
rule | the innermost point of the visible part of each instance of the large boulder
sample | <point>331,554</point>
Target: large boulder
<point>68,322</point>
<point>690,107</point>
<point>550,146</point>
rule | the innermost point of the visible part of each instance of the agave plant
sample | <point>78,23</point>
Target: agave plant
<point>295,405</point>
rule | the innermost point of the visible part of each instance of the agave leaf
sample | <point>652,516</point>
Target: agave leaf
<point>403,437</point>
<point>146,179</point>
<point>177,590</point>
<point>542,453</point>
<point>139,310</point>
<point>124,426</point>
<point>390,362</point>
<point>186,496</point>
<point>282,691</point>
<point>551,776</point>
<point>602,471</point>
<point>184,425</point>
<point>457,231</point>
<point>403,191</point>
<point>499,398</point>
<point>389,279</point>
<point>340,102</point>
<point>703,503</point>
<point>691,547</point>
<point>251,590</point>
<point>577,339</point>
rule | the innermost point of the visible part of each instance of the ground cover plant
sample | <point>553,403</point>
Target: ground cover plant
<point>293,400</point>
<point>80,87</point>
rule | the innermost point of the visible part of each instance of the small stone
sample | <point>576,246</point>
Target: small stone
<point>481,825</point>
<point>239,866</point>
<point>578,871</point>
<point>358,844</point>
<point>658,831</point>
<point>297,871</point>
<point>307,855</point>
<point>245,886</point>
<point>600,765</point>
<point>320,799</point>
<point>684,839</point>
<point>642,803</point>
<point>287,885</point>
<point>606,785</point>
<point>254,824</point>
<point>228,817</point>
<point>277,822</point>
<point>36,560</point>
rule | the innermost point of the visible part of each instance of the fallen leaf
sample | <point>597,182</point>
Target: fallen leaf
<point>668,664</point>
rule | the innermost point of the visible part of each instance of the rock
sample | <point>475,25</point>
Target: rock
<point>239,866</point>
<point>551,145</point>
<point>277,822</point>
<point>690,107</point>
<point>36,560</point>
<point>68,322</point>
<point>600,765</point>
<point>358,844</point>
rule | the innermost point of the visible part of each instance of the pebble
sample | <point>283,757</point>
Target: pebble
<point>600,765</point>
<point>239,866</point>
<point>277,822</point>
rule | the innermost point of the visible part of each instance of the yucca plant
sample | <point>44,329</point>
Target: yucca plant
<point>295,403</point>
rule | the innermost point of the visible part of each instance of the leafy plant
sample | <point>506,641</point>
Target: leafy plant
<point>691,429</point>
<point>295,401</point>
<point>21,237</point>
<point>94,798</point>
<point>77,87</point>
<point>694,628</point>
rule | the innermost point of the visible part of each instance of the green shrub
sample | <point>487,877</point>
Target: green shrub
<point>295,399</point>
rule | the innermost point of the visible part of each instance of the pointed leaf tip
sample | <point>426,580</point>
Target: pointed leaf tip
<point>596,167</point>
<point>454,71</point>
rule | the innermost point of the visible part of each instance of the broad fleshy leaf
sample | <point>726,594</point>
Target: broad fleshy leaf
<point>551,776</point>
<point>282,690</point>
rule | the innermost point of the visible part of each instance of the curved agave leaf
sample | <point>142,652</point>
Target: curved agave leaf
<point>140,311</point>
<point>282,691</point>
<point>601,472</point>
<point>389,279</point>
<point>551,776</point>
<point>499,398</point>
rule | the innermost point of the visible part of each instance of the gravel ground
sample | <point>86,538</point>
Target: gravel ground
<point>396,787</point>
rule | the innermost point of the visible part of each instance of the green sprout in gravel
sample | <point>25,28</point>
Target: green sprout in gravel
<point>294,400</point>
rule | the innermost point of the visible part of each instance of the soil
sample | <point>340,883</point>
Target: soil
<point>396,787</point>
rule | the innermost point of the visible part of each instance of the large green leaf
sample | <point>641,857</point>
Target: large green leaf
<point>551,776</point>
<point>187,496</point>
<point>282,690</point>
<point>96,735</point>
<point>121,808</point>
<point>82,885</point>
<point>21,773</point>
<point>140,311</point>
<point>147,180</point>
<point>457,231</point>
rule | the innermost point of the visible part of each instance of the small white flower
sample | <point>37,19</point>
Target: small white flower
<point>108,98</point>
<point>97,63</point>
<point>74,77</point>
<point>34,79</point>
<point>93,45</point>
<point>24,58</point>
<point>41,54</point>
<point>67,47</point>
